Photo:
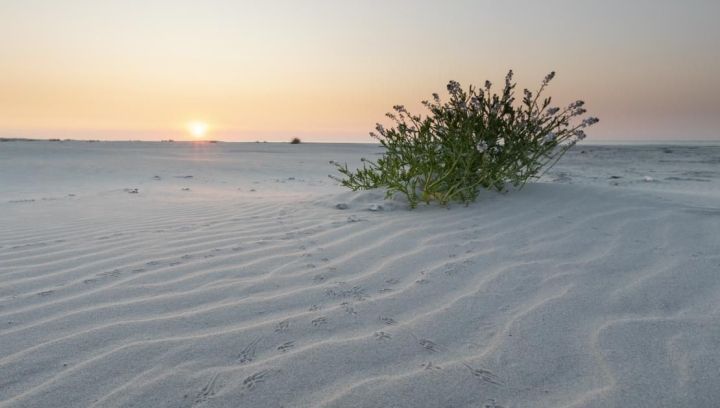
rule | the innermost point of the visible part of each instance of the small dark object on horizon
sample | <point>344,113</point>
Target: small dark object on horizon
<point>295,140</point>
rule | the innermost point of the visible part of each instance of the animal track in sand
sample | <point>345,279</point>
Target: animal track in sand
<point>208,391</point>
<point>387,320</point>
<point>428,345</point>
<point>30,245</point>
<point>348,308</point>
<point>251,381</point>
<point>356,292</point>
<point>484,375</point>
<point>247,354</point>
<point>382,336</point>
<point>319,278</point>
<point>286,346</point>
<point>282,326</point>
<point>319,321</point>
<point>430,366</point>
<point>450,269</point>
<point>492,404</point>
<point>111,274</point>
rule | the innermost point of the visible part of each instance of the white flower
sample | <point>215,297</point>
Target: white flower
<point>481,147</point>
<point>590,121</point>
<point>453,87</point>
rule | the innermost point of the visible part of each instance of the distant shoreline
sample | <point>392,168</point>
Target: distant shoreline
<point>585,143</point>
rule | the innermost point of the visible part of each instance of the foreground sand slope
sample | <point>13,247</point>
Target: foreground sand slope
<point>251,289</point>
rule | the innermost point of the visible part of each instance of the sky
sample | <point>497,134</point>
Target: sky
<point>329,70</point>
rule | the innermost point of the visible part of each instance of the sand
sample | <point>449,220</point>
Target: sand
<point>223,275</point>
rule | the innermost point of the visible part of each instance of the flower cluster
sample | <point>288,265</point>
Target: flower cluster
<point>477,139</point>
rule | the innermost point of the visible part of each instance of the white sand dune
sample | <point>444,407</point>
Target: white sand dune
<point>599,287</point>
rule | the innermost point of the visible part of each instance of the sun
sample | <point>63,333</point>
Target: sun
<point>198,129</point>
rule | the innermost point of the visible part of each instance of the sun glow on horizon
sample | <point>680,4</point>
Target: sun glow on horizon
<point>198,129</point>
<point>242,71</point>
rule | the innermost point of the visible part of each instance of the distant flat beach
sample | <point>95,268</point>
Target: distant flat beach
<point>240,275</point>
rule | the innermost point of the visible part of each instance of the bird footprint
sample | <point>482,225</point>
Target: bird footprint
<point>387,320</point>
<point>251,381</point>
<point>248,353</point>
<point>286,346</point>
<point>208,391</point>
<point>484,375</point>
<point>381,336</point>
<point>282,326</point>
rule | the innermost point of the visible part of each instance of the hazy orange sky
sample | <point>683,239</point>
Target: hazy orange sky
<point>328,70</point>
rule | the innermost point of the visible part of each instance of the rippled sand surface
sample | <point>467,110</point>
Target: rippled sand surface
<point>223,275</point>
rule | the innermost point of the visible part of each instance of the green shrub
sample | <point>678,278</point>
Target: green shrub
<point>476,140</point>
